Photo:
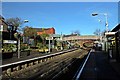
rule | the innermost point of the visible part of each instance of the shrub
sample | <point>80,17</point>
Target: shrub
<point>23,46</point>
<point>39,45</point>
<point>9,48</point>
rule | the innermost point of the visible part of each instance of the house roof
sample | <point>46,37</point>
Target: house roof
<point>41,29</point>
<point>2,17</point>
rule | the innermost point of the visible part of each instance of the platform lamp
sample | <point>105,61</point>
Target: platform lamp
<point>106,25</point>
<point>106,19</point>
<point>17,35</point>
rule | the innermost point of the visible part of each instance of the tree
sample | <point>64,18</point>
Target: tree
<point>97,32</point>
<point>41,40</point>
<point>30,32</point>
<point>43,37</point>
<point>76,32</point>
<point>15,22</point>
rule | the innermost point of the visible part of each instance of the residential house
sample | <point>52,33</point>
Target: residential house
<point>40,31</point>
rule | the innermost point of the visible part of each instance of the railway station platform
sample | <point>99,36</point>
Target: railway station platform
<point>22,57</point>
<point>99,67</point>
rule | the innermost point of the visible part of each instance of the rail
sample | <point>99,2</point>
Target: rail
<point>16,66</point>
<point>41,57</point>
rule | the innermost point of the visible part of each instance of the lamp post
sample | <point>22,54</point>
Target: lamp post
<point>18,36</point>
<point>106,19</point>
<point>18,45</point>
<point>106,25</point>
<point>49,45</point>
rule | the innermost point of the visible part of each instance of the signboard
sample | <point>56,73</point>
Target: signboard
<point>110,33</point>
<point>9,41</point>
<point>49,38</point>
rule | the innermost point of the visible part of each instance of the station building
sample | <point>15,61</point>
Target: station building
<point>113,43</point>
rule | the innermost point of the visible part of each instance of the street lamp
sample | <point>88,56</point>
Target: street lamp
<point>94,14</point>
<point>106,19</point>
<point>106,24</point>
<point>25,21</point>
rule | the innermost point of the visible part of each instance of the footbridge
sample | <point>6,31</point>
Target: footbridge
<point>81,40</point>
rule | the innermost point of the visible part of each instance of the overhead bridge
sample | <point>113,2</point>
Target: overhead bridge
<point>81,39</point>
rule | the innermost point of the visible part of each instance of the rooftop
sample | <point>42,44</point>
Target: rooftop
<point>41,29</point>
<point>116,28</point>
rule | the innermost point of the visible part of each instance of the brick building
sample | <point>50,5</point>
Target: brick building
<point>113,43</point>
<point>45,31</point>
<point>40,31</point>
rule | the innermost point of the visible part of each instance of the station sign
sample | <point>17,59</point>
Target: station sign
<point>10,41</point>
<point>110,33</point>
<point>49,38</point>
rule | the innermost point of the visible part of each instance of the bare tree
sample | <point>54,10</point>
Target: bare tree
<point>15,22</point>
<point>97,32</point>
<point>76,32</point>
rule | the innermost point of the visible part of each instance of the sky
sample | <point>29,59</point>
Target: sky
<point>60,0</point>
<point>65,17</point>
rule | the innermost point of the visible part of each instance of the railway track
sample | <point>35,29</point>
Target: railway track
<point>48,68</point>
<point>61,65</point>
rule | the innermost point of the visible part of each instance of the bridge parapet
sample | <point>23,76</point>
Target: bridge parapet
<point>81,39</point>
<point>87,37</point>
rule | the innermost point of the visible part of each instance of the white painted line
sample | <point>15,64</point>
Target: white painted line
<point>78,76</point>
<point>34,58</point>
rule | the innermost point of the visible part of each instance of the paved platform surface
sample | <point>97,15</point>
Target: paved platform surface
<point>99,67</point>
